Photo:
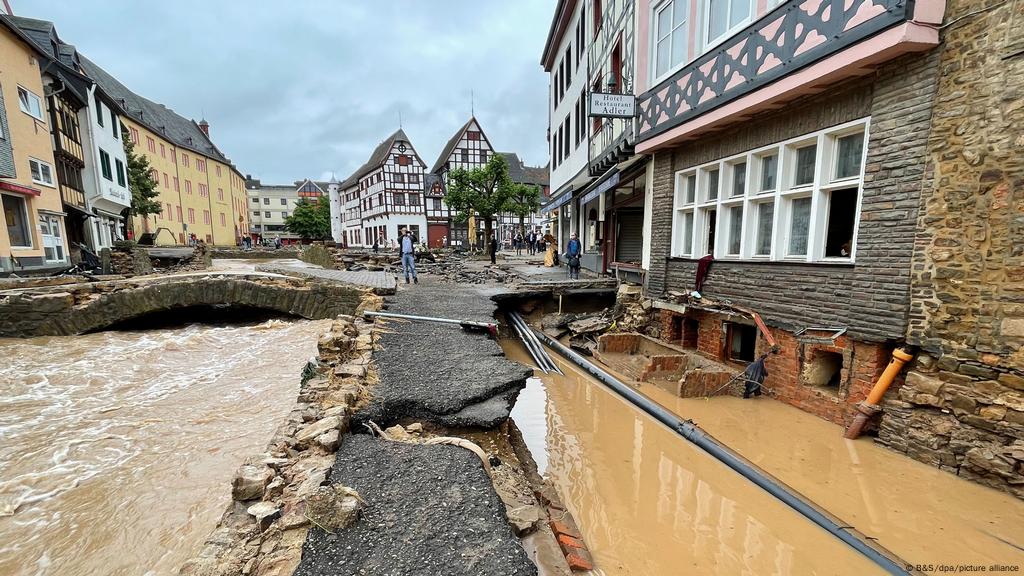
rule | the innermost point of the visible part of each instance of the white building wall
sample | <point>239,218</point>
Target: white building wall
<point>105,198</point>
<point>557,113</point>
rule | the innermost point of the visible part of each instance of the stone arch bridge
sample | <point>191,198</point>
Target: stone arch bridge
<point>90,306</point>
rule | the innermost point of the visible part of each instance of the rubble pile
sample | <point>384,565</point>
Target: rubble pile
<point>633,312</point>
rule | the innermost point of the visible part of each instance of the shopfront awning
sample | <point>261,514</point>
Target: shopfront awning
<point>19,189</point>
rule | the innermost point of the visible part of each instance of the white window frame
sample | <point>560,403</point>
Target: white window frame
<point>781,198</point>
<point>34,98</point>
<point>655,10</point>
<point>705,24</point>
<point>54,242</point>
<point>52,183</point>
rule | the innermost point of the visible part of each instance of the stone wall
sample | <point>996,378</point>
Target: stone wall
<point>869,298</point>
<point>126,262</point>
<point>79,308</point>
<point>963,406</point>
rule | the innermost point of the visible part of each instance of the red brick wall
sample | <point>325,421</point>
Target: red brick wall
<point>862,364</point>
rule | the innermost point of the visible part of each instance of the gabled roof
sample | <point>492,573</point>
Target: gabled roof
<point>43,37</point>
<point>450,146</point>
<point>299,184</point>
<point>377,158</point>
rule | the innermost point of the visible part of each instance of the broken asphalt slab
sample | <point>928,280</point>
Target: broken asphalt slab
<point>430,510</point>
<point>438,372</point>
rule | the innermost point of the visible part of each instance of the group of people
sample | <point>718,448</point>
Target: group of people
<point>532,241</point>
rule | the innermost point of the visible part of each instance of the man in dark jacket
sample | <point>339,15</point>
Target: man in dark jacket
<point>573,251</point>
<point>492,247</point>
<point>754,376</point>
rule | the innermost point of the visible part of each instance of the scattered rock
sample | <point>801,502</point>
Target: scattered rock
<point>250,482</point>
<point>319,427</point>
<point>590,325</point>
<point>265,514</point>
<point>334,507</point>
<point>329,440</point>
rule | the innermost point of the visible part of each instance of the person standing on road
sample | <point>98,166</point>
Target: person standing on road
<point>493,249</point>
<point>408,247</point>
<point>531,243</point>
<point>572,256</point>
<point>551,254</point>
<point>518,241</point>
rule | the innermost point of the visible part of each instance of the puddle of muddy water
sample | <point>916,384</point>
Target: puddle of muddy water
<point>118,447</point>
<point>649,503</point>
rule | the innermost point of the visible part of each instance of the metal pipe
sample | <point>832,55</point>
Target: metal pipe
<point>518,320</point>
<point>489,326</point>
<point>691,432</point>
<point>532,345</point>
<point>529,347</point>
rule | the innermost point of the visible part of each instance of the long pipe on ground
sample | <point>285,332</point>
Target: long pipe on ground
<point>489,326</point>
<point>517,320</point>
<point>691,432</point>
<point>870,406</point>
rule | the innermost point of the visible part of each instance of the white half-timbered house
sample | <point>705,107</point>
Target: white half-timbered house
<point>387,194</point>
<point>468,148</point>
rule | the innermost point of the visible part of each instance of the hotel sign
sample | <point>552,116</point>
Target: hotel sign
<point>612,105</point>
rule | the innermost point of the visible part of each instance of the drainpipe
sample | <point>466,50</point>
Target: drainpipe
<point>694,434</point>
<point>870,406</point>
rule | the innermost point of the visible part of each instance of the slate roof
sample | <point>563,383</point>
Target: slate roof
<point>452,143</point>
<point>379,155</point>
<point>43,34</point>
<point>160,119</point>
<point>522,173</point>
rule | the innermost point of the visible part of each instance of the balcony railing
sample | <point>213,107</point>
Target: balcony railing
<point>790,37</point>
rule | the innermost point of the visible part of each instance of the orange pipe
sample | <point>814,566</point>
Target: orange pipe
<point>870,406</point>
<point>899,358</point>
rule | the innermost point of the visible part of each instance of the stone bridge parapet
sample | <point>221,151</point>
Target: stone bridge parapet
<point>88,307</point>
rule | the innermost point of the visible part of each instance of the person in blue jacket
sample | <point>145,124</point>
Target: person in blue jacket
<point>572,256</point>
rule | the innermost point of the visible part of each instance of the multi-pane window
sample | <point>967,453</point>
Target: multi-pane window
<point>802,202</point>
<point>120,172</point>
<point>53,246</point>
<point>151,144</point>
<point>671,26</point>
<point>106,170</point>
<point>42,172</point>
<point>724,16</point>
<point>134,134</point>
<point>99,109</point>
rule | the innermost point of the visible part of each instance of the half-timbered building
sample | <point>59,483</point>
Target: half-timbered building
<point>468,148</point>
<point>385,195</point>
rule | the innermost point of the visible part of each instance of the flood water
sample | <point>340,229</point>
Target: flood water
<point>648,502</point>
<point>118,448</point>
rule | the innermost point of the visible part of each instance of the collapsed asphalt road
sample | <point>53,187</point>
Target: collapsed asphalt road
<point>430,509</point>
<point>438,372</point>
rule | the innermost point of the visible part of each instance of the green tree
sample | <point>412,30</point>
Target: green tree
<point>310,220</point>
<point>140,182</point>
<point>484,191</point>
<point>523,200</point>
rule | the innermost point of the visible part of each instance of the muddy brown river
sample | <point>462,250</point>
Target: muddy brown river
<point>648,502</point>
<point>118,447</point>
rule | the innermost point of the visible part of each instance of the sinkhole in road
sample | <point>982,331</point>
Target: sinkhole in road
<point>648,502</point>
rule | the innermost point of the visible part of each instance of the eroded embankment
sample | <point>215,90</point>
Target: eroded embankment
<point>391,503</point>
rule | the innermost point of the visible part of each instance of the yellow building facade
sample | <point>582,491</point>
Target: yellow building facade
<point>34,236</point>
<point>200,195</point>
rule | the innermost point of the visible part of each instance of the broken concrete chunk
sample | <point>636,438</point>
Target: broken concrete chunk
<point>523,519</point>
<point>590,325</point>
<point>354,370</point>
<point>250,481</point>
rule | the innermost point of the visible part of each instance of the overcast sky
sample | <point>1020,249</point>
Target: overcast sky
<point>306,88</point>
